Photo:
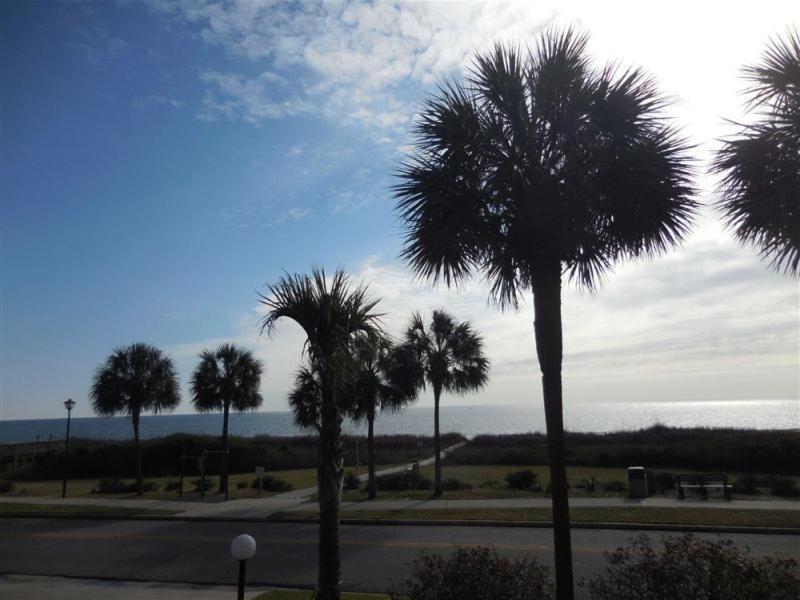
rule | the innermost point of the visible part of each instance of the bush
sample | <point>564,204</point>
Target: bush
<point>784,486</point>
<point>523,480</point>
<point>241,485</point>
<point>115,486</point>
<point>746,484</point>
<point>476,573</point>
<point>173,485</point>
<point>659,482</point>
<point>272,484</point>
<point>6,487</point>
<point>616,486</point>
<point>351,481</point>
<point>590,485</point>
<point>489,484</point>
<point>202,485</point>
<point>692,568</point>
<point>401,482</point>
<point>452,484</point>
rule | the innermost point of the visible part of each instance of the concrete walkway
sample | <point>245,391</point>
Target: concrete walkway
<point>254,508</point>
<point>31,587</point>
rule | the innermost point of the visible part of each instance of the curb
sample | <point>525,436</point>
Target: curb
<point>419,523</point>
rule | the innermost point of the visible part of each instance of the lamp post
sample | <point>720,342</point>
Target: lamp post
<point>69,405</point>
<point>243,548</point>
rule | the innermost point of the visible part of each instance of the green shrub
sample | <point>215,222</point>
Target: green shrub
<point>489,484</point>
<point>476,574</point>
<point>401,482</point>
<point>523,480</point>
<point>272,484</point>
<point>616,486</point>
<point>659,482</point>
<point>201,484</point>
<point>173,485</point>
<point>784,487</point>
<point>351,481</point>
<point>241,485</point>
<point>693,568</point>
<point>590,485</point>
<point>6,487</point>
<point>452,484</point>
<point>114,485</point>
<point>746,484</point>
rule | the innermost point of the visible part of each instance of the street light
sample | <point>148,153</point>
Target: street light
<point>243,548</point>
<point>69,405</point>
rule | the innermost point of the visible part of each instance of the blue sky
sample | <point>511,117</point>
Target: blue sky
<point>161,161</point>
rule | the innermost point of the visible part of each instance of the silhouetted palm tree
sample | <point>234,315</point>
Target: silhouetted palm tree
<point>386,381</point>
<point>760,188</point>
<point>228,378</point>
<point>451,360</point>
<point>135,379</point>
<point>539,165</point>
<point>331,313</point>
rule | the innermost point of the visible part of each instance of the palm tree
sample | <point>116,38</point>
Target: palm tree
<point>450,358</point>
<point>536,166</point>
<point>386,381</point>
<point>226,378</point>
<point>760,187</point>
<point>331,313</point>
<point>135,379</point>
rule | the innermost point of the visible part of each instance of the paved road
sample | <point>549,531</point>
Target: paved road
<point>374,556</point>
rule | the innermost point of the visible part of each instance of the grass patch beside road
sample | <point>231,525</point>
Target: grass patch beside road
<point>308,595</point>
<point>634,515</point>
<point>15,508</point>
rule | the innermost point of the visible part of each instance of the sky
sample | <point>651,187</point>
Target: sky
<point>162,160</point>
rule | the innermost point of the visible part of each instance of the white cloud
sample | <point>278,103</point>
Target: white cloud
<point>156,100</point>
<point>704,323</point>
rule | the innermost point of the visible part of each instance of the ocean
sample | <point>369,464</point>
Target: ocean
<point>468,420</point>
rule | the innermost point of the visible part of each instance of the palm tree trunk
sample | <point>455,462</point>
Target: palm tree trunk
<point>329,485</point>
<point>223,477</point>
<point>437,443</point>
<point>549,348</point>
<point>138,449</point>
<point>371,486</point>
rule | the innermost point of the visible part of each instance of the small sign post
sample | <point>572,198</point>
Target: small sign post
<point>260,476</point>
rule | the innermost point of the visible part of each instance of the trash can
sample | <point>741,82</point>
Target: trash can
<point>637,482</point>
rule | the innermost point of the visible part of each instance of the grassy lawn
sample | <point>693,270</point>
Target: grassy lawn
<point>637,514</point>
<point>14,508</point>
<point>82,488</point>
<point>307,595</point>
<point>488,481</point>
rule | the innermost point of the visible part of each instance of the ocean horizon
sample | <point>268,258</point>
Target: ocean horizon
<point>469,420</point>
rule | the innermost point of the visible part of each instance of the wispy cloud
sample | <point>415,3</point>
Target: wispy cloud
<point>155,101</point>
<point>348,57</point>
<point>708,322</point>
<point>96,43</point>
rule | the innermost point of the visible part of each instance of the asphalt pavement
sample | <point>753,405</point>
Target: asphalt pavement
<point>374,557</point>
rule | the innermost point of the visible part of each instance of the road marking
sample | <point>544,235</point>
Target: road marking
<point>88,536</point>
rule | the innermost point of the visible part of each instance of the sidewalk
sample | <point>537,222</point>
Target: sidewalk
<point>254,508</point>
<point>31,587</point>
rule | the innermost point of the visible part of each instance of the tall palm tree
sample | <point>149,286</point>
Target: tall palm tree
<point>451,360</point>
<point>331,313</point>
<point>228,378</point>
<point>135,379</point>
<point>386,381</point>
<point>536,166</point>
<point>760,187</point>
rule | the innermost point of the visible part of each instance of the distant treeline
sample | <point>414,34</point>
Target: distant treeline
<point>741,450</point>
<point>162,456</point>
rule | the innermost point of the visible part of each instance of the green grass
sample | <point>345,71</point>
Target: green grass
<point>307,595</point>
<point>637,514</point>
<point>15,508</point>
<point>82,488</point>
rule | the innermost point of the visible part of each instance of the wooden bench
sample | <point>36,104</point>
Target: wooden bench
<point>703,481</point>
